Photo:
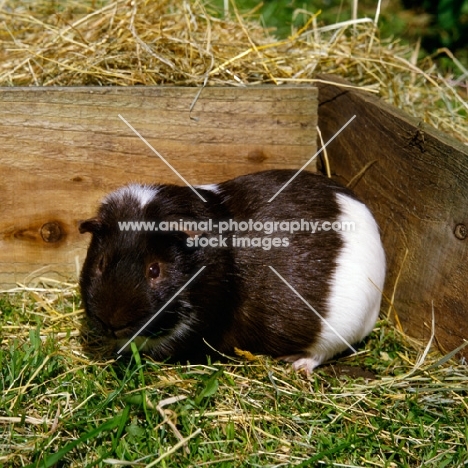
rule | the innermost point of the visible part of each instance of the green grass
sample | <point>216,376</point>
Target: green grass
<point>64,403</point>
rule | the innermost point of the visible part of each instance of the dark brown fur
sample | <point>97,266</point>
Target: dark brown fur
<point>237,301</point>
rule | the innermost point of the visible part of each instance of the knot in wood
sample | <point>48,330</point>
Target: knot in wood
<point>256,156</point>
<point>460,231</point>
<point>51,232</point>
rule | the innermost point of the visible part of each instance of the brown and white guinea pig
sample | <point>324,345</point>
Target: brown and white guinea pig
<point>335,277</point>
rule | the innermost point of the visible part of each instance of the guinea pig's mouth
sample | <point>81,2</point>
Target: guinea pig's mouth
<point>127,331</point>
<point>122,332</point>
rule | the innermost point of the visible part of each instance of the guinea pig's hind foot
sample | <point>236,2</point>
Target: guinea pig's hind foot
<point>301,362</point>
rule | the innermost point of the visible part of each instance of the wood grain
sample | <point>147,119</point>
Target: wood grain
<point>62,149</point>
<point>416,183</point>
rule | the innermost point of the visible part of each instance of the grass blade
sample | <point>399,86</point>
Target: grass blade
<point>107,426</point>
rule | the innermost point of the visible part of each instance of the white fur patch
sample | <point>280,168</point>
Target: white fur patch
<point>211,187</point>
<point>142,193</point>
<point>356,288</point>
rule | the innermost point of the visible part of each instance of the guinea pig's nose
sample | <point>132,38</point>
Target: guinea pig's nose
<point>101,325</point>
<point>120,323</point>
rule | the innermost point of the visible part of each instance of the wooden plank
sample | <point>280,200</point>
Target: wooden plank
<point>416,181</point>
<point>62,149</point>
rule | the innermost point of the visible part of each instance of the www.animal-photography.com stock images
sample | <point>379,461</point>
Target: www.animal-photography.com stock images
<point>233,233</point>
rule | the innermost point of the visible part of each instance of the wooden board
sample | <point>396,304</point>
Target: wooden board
<point>62,149</point>
<point>416,181</point>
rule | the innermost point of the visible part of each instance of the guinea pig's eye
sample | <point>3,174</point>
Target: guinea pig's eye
<point>153,271</point>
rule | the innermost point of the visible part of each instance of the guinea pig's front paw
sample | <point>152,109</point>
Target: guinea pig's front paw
<point>304,363</point>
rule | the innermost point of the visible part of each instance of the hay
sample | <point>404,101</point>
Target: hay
<point>138,42</point>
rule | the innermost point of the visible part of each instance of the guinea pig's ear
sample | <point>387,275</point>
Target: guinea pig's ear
<point>91,225</point>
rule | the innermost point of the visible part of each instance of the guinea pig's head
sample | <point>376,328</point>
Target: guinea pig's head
<point>131,270</point>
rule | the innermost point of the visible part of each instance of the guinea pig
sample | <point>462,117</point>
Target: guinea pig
<point>299,277</point>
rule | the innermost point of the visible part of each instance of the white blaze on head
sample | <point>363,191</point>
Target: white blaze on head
<point>142,193</point>
<point>211,187</point>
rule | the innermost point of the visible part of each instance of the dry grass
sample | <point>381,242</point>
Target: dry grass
<point>137,42</point>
